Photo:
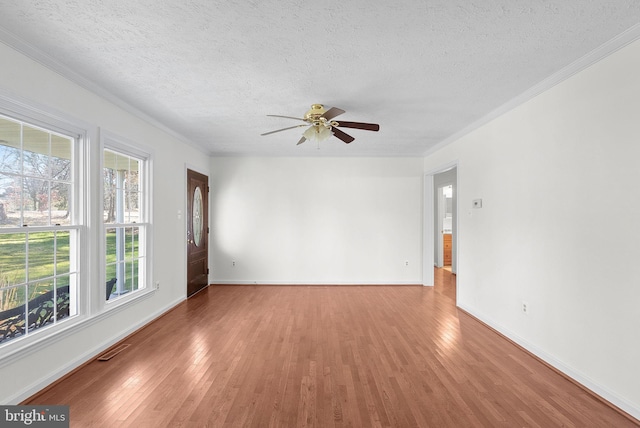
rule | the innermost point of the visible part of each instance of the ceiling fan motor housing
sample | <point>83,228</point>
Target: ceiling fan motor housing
<point>316,112</point>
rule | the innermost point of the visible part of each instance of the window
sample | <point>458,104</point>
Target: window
<point>39,231</point>
<point>126,220</point>
<point>53,277</point>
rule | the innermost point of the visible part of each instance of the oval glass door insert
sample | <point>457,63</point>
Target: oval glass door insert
<point>197,217</point>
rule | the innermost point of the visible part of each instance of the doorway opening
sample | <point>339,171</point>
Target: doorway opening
<point>445,185</point>
<point>440,230</point>
<point>445,226</point>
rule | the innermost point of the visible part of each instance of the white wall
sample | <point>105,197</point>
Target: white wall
<point>559,229</point>
<point>316,220</point>
<point>23,78</point>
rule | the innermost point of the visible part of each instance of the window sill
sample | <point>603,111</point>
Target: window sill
<point>125,300</point>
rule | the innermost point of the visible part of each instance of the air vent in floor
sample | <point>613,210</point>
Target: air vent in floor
<point>113,352</point>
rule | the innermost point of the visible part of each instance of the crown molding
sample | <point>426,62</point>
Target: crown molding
<point>46,60</point>
<point>623,39</point>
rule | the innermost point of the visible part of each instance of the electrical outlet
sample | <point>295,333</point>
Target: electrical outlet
<point>406,262</point>
<point>157,285</point>
<point>233,263</point>
<point>525,307</point>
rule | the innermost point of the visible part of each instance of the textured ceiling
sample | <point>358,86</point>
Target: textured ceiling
<point>210,71</point>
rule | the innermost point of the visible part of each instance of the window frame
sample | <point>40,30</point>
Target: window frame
<point>54,122</point>
<point>121,145</point>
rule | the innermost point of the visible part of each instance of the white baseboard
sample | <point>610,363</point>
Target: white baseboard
<point>32,389</point>
<point>584,380</point>
<point>243,282</point>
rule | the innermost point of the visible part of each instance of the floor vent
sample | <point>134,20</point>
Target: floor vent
<point>112,352</point>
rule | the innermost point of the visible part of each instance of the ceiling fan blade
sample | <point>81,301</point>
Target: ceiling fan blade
<point>360,125</point>
<point>283,129</point>
<point>286,117</point>
<point>302,140</point>
<point>332,112</point>
<point>341,135</point>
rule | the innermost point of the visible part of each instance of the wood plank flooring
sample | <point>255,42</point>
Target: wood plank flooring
<point>324,356</point>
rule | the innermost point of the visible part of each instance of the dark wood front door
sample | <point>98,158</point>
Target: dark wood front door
<point>197,232</point>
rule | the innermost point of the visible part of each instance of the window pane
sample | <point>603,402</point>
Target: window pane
<point>132,207</point>
<point>35,202</point>
<point>10,200</point>
<point>111,265</point>
<point>109,201</point>
<point>13,261</point>
<point>9,146</point>
<point>61,158</point>
<point>63,253</point>
<point>35,152</point>
<point>37,289</point>
<point>122,266</point>
<point>111,280</point>
<point>60,211</point>
<point>62,281</point>
<point>132,185</point>
<point>122,163</point>
<point>131,177</point>
<point>73,295</point>
<point>136,274</point>
<point>63,297</point>
<point>110,236</point>
<point>131,243</point>
<point>41,304</point>
<point>9,158</point>
<point>41,250</point>
<point>122,192</point>
<point>115,161</point>
<point>128,285</point>
<point>110,273</point>
<point>12,312</point>
<point>11,297</point>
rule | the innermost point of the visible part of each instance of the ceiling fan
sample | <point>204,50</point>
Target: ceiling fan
<point>321,126</point>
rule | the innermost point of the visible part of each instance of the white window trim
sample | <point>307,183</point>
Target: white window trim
<point>63,124</point>
<point>111,140</point>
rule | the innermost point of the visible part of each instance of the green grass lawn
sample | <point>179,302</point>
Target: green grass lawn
<point>49,257</point>
<point>41,255</point>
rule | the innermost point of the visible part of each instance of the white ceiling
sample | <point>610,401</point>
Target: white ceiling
<point>210,71</point>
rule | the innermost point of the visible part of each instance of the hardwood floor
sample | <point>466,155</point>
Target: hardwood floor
<point>324,356</point>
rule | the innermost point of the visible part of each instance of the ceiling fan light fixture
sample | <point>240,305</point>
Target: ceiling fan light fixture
<point>318,133</point>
